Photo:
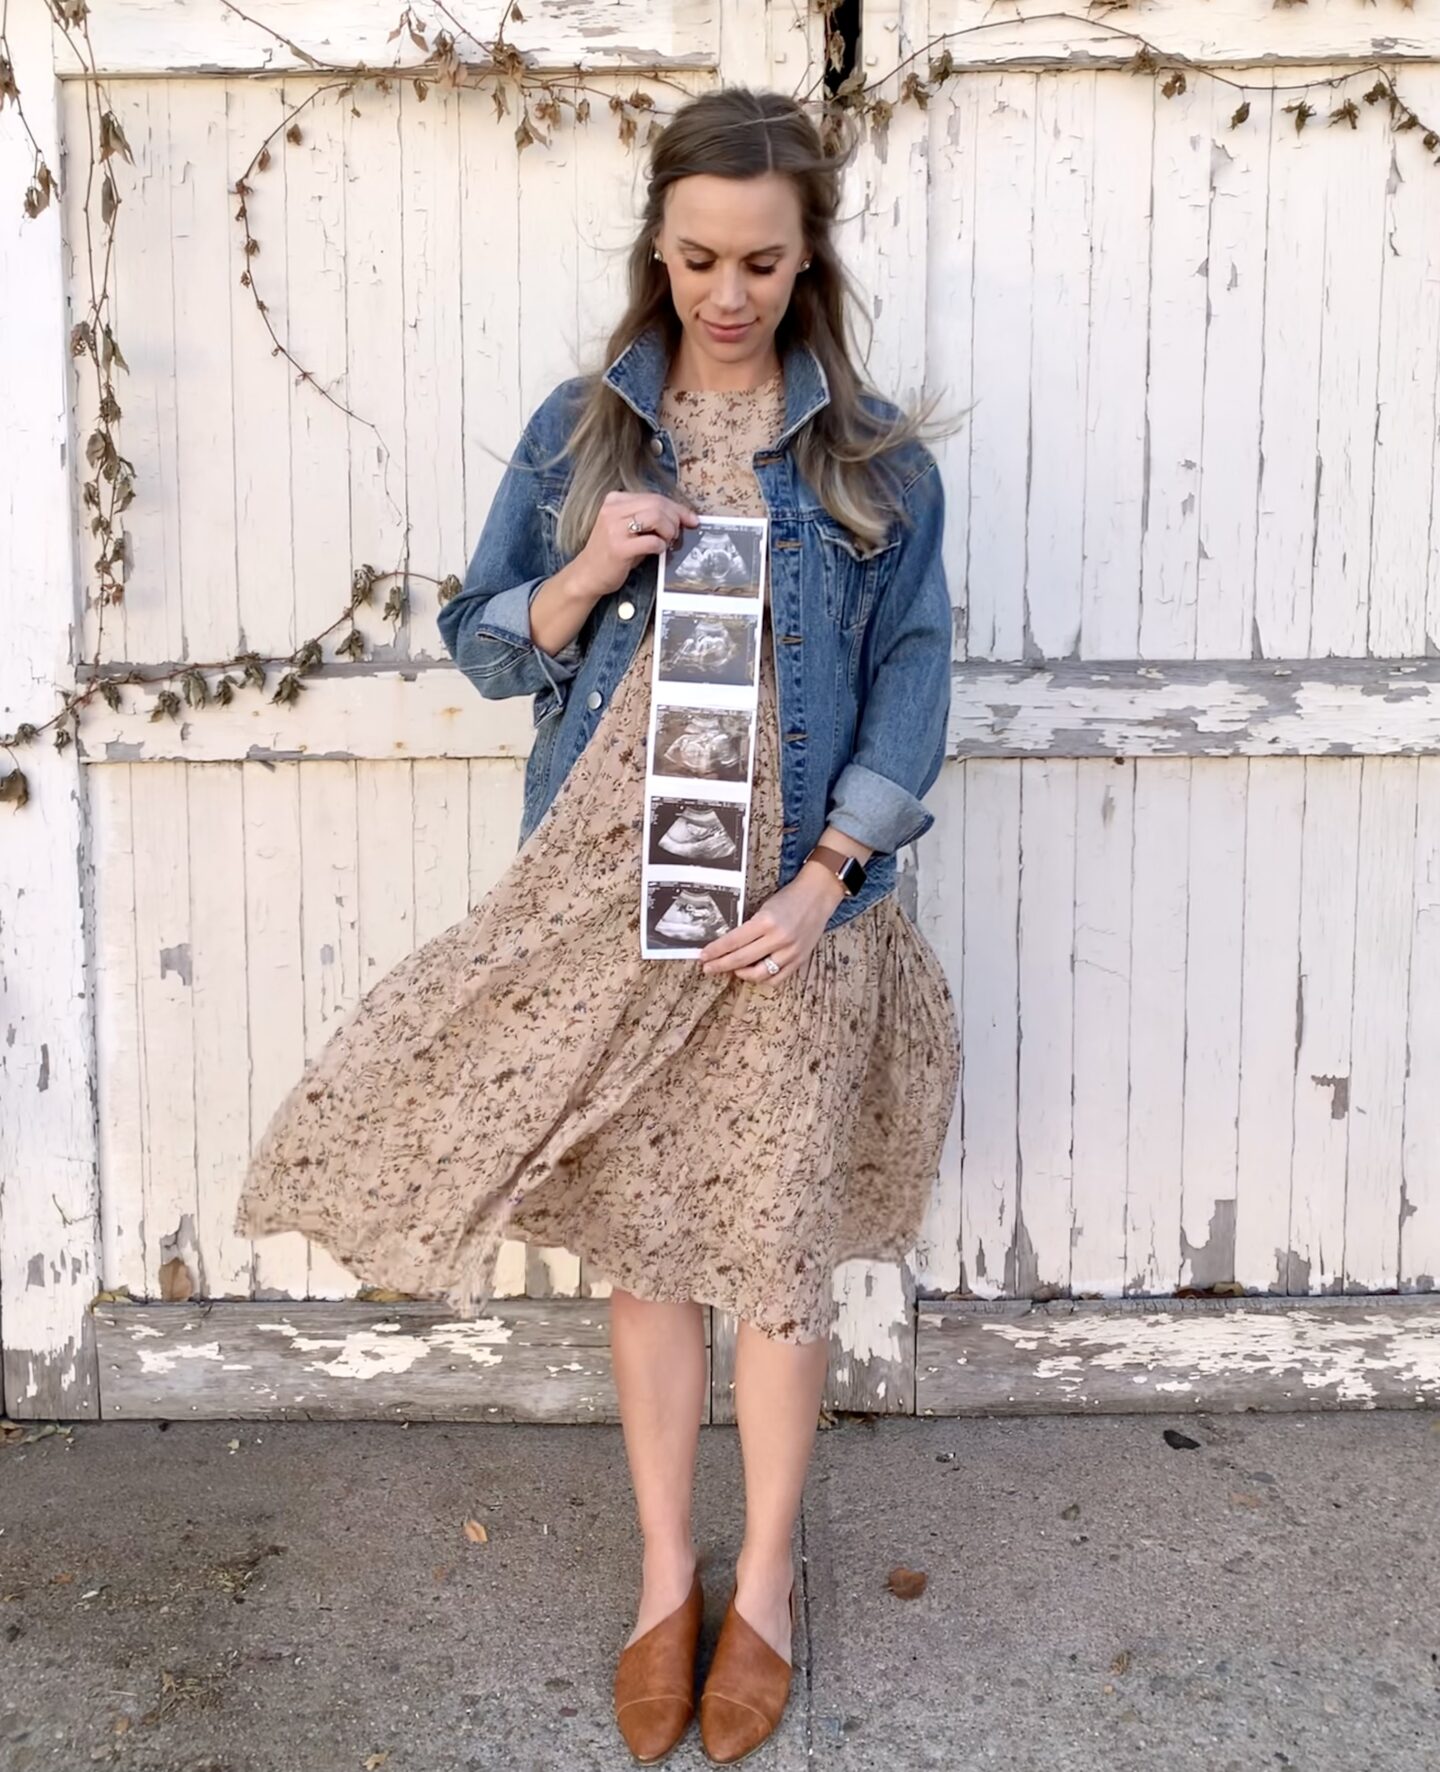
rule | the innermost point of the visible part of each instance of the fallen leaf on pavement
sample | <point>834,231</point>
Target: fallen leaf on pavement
<point>906,1584</point>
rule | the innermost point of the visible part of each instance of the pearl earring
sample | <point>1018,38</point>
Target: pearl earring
<point>806,265</point>
<point>656,255</point>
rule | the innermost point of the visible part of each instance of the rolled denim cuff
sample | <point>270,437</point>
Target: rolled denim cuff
<point>507,613</point>
<point>876,811</point>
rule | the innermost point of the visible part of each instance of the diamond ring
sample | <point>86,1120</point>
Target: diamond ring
<point>771,966</point>
<point>636,527</point>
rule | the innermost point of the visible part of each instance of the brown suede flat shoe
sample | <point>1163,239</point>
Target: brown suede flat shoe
<point>655,1681</point>
<point>745,1690</point>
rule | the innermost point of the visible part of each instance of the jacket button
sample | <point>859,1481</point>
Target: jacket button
<point>656,446</point>
<point>593,699</point>
<point>626,610</point>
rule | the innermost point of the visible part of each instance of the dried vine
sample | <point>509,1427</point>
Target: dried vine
<point>542,101</point>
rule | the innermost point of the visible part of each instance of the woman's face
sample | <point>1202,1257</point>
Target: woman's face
<point>733,248</point>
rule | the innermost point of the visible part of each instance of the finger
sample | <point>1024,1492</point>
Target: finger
<point>761,974</point>
<point>752,955</point>
<point>744,933</point>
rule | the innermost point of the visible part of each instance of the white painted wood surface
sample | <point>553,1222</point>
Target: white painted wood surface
<point>1193,937</point>
<point>49,1198</point>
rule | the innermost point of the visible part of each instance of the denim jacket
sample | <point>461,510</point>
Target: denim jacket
<point>861,641</point>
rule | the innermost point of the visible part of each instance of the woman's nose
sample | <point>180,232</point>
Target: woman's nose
<point>730,290</point>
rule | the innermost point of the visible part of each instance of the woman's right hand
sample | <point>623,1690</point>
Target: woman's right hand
<point>611,550</point>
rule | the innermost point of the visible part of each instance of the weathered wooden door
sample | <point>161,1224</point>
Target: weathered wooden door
<point>1186,870</point>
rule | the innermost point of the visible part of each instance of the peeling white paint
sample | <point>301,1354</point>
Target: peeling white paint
<point>384,1349</point>
<point>1319,1349</point>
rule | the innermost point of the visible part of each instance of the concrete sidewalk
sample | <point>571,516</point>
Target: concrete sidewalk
<point>264,1597</point>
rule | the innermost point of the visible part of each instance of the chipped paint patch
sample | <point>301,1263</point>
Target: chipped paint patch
<point>385,1349</point>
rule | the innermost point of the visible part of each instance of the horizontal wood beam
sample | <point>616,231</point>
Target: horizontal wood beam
<point>157,37</point>
<point>1221,33</point>
<point>1265,708</point>
<point>1128,1356</point>
<point>548,1359</point>
<point>1226,708</point>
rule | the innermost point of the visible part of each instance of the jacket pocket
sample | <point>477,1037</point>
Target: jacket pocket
<point>851,576</point>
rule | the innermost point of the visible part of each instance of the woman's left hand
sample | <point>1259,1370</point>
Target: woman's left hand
<point>786,927</point>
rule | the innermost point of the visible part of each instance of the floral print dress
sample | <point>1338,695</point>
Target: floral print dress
<point>526,1074</point>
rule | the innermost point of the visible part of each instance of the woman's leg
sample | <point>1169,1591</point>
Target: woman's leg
<point>778,1386</point>
<point>658,1356</point>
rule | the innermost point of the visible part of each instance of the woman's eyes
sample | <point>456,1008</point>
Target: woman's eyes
<point>759,270</point>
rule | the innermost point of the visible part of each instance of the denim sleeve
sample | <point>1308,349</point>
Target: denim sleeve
<point>486,626</point>
<point>900,739</point>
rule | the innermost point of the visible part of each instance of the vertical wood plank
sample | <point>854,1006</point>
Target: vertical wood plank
<point>549,329</point>
<point>375,351</point>
<point>1175,395</point>
<point>938,1267</point>
<point>1118,366</point>
<point>442,845</point>
<point>1329,866</point>
<point>1000,424</point>
<point>1157,1026</point>
<point>1213,971</point>
<point>1289,395</point>
<point>1230,450</point>
<point>1055,518</point>
<point>152,613</point>
<point>1104,822</point>
<point>275,987</point>
<point>1420,1196</point>
<point>1269,1032</point>
<point>385,848</point>
<point>315,195</point>
<point>1351,170</point>
<point>1048,792</point>
<point>220,1015</point>
<point>261,383</point>
<point>49,1205</point>
<point>1384,925</point>
<point>989,1024</point>
<point>1406,479</point>
<point>167,1034</point>
<point>434,427</point>
<point>489,365</point>
<point>117,1032</point>
<point>329,942</point>
<point>950,321</point>
<point>204,417</point>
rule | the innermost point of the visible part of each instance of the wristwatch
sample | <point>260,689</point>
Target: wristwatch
<point>849,871</point>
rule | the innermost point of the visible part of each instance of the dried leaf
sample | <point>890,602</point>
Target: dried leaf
<point>167,703</point>
<point>396,604</point>
<point>82,340</point>
<point>1242,112</point>
<point>1175,84</point>
<point>225,691</point>
<point>197,691</point>
<point>942,67</point>
<point>254,672</point>
<point>913,87</point>
<point>449,587</point>
<point>109,200</point>
<point>110,352</point>
<point>110,693</point>
<point>112,138</point>
<point>420,90</point>
<point>362,583</point>
<point>582,111</point>
<point>475,1532</point>
<point>14,789</point>
<point>293,135</point>
<point>352,646</point>
<point>309,657</point>
<point>288,690</point>
<point>177,1285</point>
<point>906,1584</point>
<point>262,160</point>
<point>524,134</point>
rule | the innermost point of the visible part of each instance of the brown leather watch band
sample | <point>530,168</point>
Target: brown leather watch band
<point>834,859</point>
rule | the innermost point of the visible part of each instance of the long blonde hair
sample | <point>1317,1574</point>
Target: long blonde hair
<point>739,133</point>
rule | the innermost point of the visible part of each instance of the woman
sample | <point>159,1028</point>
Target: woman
<point>720,1131</point>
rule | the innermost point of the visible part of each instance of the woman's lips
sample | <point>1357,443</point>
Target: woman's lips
<point>727,334</point>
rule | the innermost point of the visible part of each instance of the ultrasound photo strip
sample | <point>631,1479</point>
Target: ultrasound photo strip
<point>700,747</point>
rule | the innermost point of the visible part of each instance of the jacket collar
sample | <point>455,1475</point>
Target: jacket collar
<point>638,377</point>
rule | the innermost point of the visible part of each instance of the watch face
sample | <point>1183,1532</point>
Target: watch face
<point>852,875</point>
